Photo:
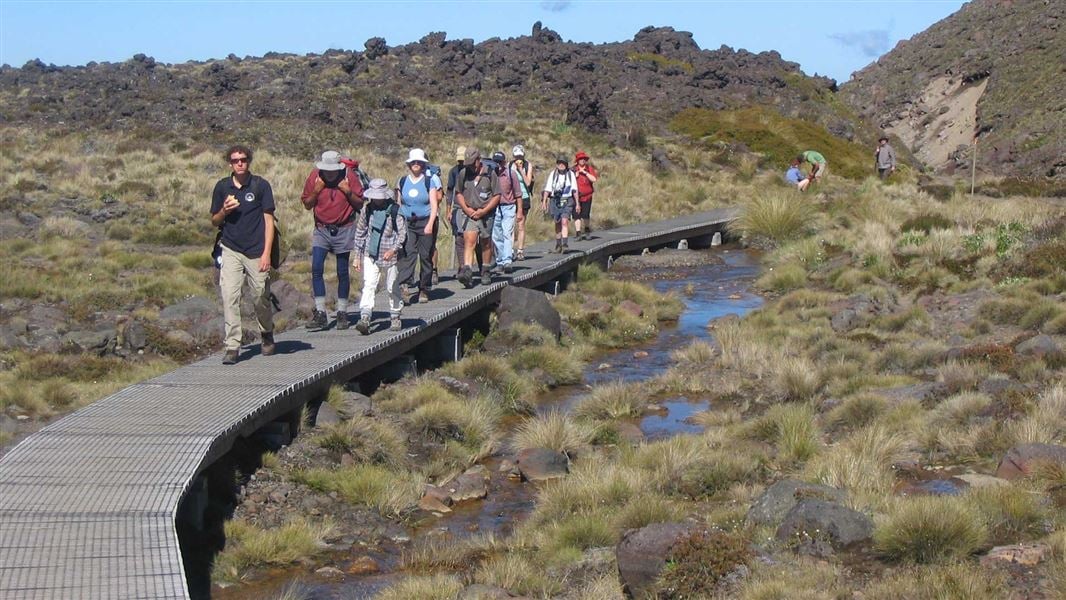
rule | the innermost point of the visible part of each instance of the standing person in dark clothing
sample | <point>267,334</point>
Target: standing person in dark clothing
<point>885,157</point>
<point>418,193</point>
<point>335,194</point>
<point>587,175</point>
<point>242,205</point>
<point>524,168</point>
<point>453,208</point>
<point>477,197</point>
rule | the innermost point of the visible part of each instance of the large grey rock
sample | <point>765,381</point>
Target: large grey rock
<point>519,305</point>
<point>134,335</point>
<point>918,391</point>
<point>999,386</point>
<point>1019,460</point>
<point>471,485</point>
<point>90,341</point>
<point>1039,346</point>
<point>642,554</point>
<point>819,527</point>
<point>540,464</point>
<point>194,310</point>
<point>773,504</point>
<point>326,415</point>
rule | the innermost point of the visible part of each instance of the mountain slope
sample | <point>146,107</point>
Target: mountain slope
<point>398,95</point>
<point>995,68</point>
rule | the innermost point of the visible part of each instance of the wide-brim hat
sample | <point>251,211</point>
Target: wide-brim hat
<point>331,161</point>
<point>472,154</point>
<point>580,155</point>
<point>417,155</point>
<point>378,190</point>
<point>460,153</point>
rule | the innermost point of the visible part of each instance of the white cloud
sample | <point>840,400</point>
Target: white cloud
<point>871,42</point>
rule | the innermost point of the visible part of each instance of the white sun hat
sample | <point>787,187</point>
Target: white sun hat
<point>417,155</point>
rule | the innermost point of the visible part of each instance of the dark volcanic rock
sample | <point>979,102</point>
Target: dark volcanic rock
<point>642,554</point>
<point>778,499</point>
<point>819,527</point>
<point>520,305</point>
<point>540,464</point>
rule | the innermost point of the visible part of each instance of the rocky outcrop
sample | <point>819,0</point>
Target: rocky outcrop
<point>819,528</point>
<point>521,305</point>
<point>1020,460</point>
<point>778,499</point>
<point>642,554</point>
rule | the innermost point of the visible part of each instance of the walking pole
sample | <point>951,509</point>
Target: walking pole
<point>973,169</point>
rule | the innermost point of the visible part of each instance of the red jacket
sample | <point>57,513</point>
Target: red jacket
<point>333,207</point>
<point>585,188</point>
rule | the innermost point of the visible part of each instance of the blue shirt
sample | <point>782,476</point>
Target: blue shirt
<point>794,175</point>
<point>414,196</point>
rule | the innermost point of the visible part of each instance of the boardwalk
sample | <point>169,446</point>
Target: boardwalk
<point>88,504</point>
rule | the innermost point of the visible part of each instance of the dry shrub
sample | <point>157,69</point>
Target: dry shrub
<point>941,582</point>
<point>776,216</point>
<point>929,529</point>
<point>554,431</point>
<point>698,561</point>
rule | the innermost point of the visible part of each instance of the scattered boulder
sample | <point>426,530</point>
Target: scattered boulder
<point>978,480</point>
<point>325,415</point>
<point>471,485</point>
<point>330,573</point>
<point>134,335</point>
<point>433,504</point>
<point>364,565</point>
<point>353,404</point>
<point>660,161</point>
<point>1026,555</point>
<point>642,554</point>
<point>818,527</point>
<point>521,305</point>
<point>96,342</point>
<point>918,391</point>
<point>778,499</point>
<point>1019,460</point>
<point>1038,346</point>
<point>180,337</point>
<point>540,464</point>
<point>997,387</point>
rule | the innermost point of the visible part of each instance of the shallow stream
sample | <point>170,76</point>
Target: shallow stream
<point>715,289</point>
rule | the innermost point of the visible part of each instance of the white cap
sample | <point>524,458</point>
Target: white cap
<point>518,150</point>
<point>417,155</point>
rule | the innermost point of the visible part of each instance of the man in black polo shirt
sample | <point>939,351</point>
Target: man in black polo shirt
<point>242,205</point>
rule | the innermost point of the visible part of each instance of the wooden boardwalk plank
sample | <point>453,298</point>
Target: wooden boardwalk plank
<point>88,504</point>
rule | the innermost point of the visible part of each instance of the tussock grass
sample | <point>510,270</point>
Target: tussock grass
<point>961,375</point>
<point>435,587</point>
<point>778,216</point>
<point>804,579</point>
<point>408,395</point>
<point>554,431</point>
<point>955,580</point>
<point>1010,513</point>
<point>857,411</point>
<point>390,492</point>
<point>562,365</point>
<point>371,441</point>
<point>930,529</point>
<point>593,484</point>
<point>249,547</point>
<point>433,555</point>
<point>861,464</point>
<point>472,423</point>
<point>645,510</point>
<point>1047,423</point>
<point>518,575</point>
<point>696,355</point>
<point>617,400</point>
<point>508,389</point>
<point>797,379</point>
<point>791,429</point>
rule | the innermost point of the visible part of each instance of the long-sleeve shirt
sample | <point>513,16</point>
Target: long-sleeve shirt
<point>375,236</point>
<point>886,157</point>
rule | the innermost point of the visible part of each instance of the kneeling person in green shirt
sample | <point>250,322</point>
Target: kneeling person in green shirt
<point>819,166</point>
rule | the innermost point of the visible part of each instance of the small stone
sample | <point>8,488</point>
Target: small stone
<point>1027,555</point>
<point>978,480</point>
<point>431,504</point>
<point>539,464</point>
<point>364,565</point>
<point>330,572</point>
<point>347,460</point>
<point>603,366</point>
<point>734,296</point>
<point>640,354</point>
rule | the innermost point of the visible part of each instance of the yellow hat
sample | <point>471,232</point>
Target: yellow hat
<point>460,153</point>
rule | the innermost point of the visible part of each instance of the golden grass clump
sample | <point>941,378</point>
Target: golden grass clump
<point>940,582</point>
<point>778,216</point>
<point>472,423</point>
<point>371,441</point>
<point>391,492</point>
<point>518,575</point>
<point>554,431</point>
<point>929,529</point>
<point>861,463</point>
<point>792,429</point>
<point>433,587</point>
<point>407,395</point>
<point>249,547</point>
<point>617,400</point>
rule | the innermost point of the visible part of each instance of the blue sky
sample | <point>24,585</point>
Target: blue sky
<point>829,37</point>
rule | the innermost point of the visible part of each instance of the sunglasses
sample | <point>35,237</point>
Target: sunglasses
<point>243,159</point>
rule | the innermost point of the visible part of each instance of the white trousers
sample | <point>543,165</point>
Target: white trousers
<point>371,277</point>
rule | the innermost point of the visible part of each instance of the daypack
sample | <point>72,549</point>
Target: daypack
<point>432,170</point>
<point>403,180</point>
<point>278,254</point>
<point>393,209</point>
<point>353,164</point>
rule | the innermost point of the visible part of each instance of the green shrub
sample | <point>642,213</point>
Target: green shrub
<point>698,561</point>
<point>783,278</point>
<point>927,222</point>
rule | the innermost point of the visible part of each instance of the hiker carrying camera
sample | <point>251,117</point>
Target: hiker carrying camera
<point>559,199</point>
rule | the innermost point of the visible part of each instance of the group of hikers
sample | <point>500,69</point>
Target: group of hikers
<point>391,230</point>
<point>884,163</point>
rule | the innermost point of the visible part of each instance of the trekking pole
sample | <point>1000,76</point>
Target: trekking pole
<point>973,169</point>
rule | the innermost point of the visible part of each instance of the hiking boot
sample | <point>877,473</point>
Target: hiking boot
<point>268,347</point>
<point>564,248</point>
<point>486,279</point>
<point>520,254</point>
<point>405,294</point>
<point>342,319</point>
<point>363,326</point>
<point>558,247</point>
<point>395,324</point>
<point>435,280</point>
<point>318,320</point>
<point>230,357</point>
<point>508,269</point>
<point>466,277</point>
<point>423,297</point>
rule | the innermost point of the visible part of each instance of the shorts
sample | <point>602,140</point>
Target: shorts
<point>583,209</point>
<point>338,243</point>
<point>560,212</point>
<point>525,205</point>
<point>482,226</point>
